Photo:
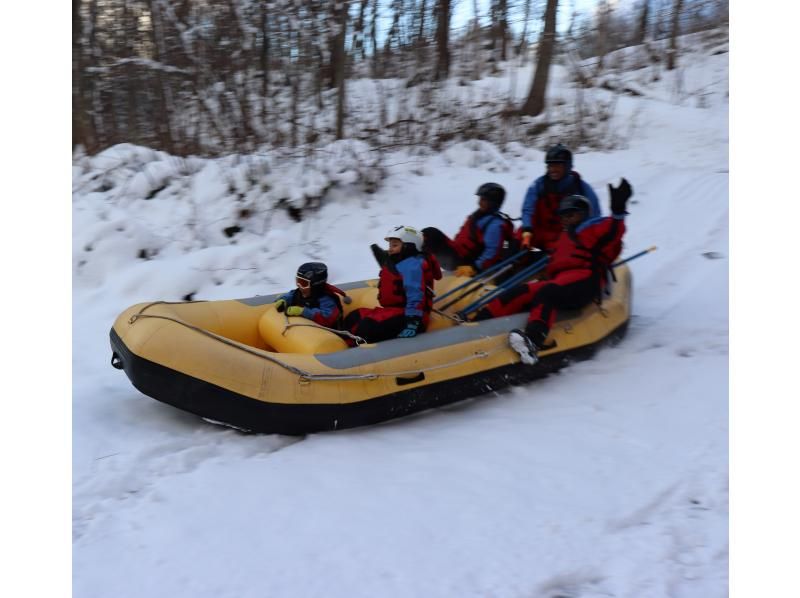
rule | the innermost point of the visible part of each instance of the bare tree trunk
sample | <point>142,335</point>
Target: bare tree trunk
<point>442,40</point>
<point>535,103</point>
<point>373,31</point>
<point>81,134</point>
<point>240,87</point>
<point>641,31</point>
<point>419,41</point>
<point>340,17</point>
<point>96,115</point>
<point>475,43</point>
<point>502,8</point>
<point>603,15</point>
<point>357,42</point>
<point>129,20</point>
<point>421,29</point>
<point>523,40</point>
<point>673,36</point>
<point>164,116</point>
<point>265,35</point>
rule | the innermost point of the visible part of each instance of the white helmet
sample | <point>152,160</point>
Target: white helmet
<point>406,234</point>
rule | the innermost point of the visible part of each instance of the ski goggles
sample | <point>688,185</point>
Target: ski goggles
<point>302,283</point>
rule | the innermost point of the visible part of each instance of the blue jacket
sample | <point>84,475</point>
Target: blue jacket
<point>322,309</point>
<point>536,189</point>
<point>411,269</point>
<point>481,237</point>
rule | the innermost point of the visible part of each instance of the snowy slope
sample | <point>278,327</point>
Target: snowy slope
<point>608,479</point>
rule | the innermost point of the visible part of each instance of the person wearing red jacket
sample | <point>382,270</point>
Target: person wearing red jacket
<point>575,274</point>
<point>541,225</point>
<point>405,290</point>
<point>481,241</point>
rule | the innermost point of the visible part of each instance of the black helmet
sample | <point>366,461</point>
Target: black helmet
<point>559,153</point>
<point>573,203</point>
<point>493,192</point>
<point>313,274</point>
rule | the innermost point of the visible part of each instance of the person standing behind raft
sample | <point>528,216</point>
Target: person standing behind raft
<point>405,290</point>
<point>576,274</point>
<point>541,225</point>
<point>481,241</point>
<point>313,299</point>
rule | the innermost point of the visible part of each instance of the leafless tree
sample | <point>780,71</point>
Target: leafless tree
<point>603,20</point>
<point>340,13</point>
<point>535,103</point>
<point>673,37</point>
<point>641,30</point>
<point>442,39</point>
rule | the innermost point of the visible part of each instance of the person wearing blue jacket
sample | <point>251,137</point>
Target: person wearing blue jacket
<point>481,241</point>
<point>313,299</point>
<point>405,290</point>
<point>541,225</point>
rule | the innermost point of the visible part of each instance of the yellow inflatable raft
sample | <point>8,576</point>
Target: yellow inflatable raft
<point>243,364</point>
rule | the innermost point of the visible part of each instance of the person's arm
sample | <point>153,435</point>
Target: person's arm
<point>284,300</point>
<point>492,243</point>
<point>411,271</point>
<point>529,205</point>
<point>327,314</point>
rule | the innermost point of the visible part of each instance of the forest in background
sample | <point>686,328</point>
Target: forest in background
<point>215,77</point>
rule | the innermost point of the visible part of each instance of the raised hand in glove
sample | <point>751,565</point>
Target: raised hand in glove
<point>620,196</point>
<point>381,255</point>
<point>527,240</point>
<point>411,328</point>
<point>294,310</point>
<point>280,305</point>
<point>466,271</point>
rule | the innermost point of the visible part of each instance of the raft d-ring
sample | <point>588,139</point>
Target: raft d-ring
<point>304,380</point>
<point>603,311</point>
<point>116,361</point>
<point>567,328</point>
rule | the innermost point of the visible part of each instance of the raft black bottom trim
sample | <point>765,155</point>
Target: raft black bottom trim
<point>213,402</point>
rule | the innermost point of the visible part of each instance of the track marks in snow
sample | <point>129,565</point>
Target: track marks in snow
<point>579,584</point>
<point>122,479</point>
<point>668,332</point>
<point>674,544</point>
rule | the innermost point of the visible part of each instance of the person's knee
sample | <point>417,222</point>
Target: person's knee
<point>547,293</point>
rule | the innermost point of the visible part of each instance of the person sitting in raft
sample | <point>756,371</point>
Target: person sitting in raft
<point>482,239</point>
<point>576,273</point>
<point>405,290</point>
<point>541,225</point>
<point>313,298</point>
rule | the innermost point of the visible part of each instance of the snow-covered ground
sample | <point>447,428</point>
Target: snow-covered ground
<point>608,479</point>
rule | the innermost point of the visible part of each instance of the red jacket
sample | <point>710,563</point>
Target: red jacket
<point>409,284</point>
<point>545,222</point>
<point>481,238</point>
<point>592,246</point>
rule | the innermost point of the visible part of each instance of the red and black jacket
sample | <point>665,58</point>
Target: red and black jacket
<point>546,223</point>
<point>409,284</point>
<point>481,238</point>
<point>592,246</point>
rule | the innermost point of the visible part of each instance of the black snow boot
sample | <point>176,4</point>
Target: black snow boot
<point>537,332</point>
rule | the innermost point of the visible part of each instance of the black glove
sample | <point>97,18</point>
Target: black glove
<point>412,324</point>
<point>381,255</point>
<point>620,196</point>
